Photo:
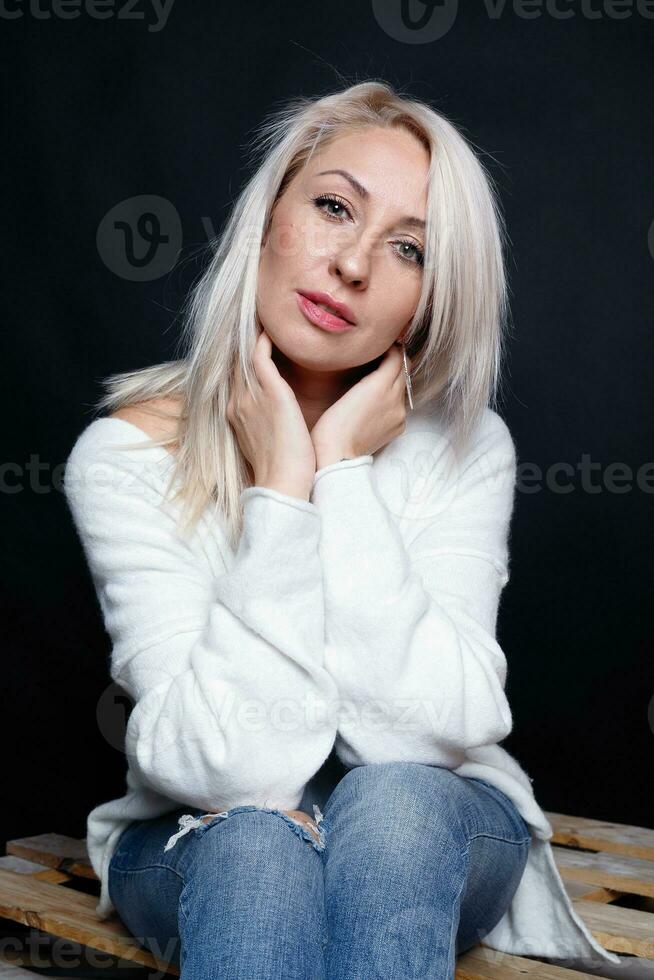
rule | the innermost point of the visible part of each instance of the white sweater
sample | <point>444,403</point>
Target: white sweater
<point>364,618</point>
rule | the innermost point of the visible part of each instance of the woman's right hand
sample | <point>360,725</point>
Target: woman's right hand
<point>271,432</point>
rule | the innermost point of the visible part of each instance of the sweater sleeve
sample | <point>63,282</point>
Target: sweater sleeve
<point>411,616</point>
<point>226,671</point>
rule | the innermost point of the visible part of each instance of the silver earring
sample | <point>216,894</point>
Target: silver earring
<point>407,377</point>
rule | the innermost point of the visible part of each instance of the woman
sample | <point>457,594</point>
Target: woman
<point>307,626</point>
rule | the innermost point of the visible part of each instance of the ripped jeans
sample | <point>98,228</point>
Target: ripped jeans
<point>414,864</point>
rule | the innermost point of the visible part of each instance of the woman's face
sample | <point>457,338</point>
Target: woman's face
<point>352,239</point>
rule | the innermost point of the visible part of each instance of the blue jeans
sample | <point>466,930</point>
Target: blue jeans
<point>414,865</point>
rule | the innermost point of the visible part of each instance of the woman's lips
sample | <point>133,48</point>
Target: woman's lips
<point>321,318</point>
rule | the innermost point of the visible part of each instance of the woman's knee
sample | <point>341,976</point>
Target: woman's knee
<point>417,797</point>
<point>233,858</point>
<point>247,836</point>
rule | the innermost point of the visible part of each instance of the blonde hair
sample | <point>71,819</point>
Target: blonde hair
<point>455,340</point>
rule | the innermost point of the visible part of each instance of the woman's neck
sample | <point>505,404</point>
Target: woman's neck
<point>316,391</point>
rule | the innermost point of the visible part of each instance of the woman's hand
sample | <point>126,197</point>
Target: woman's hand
<point>366,417</point>
<point>271,432</point>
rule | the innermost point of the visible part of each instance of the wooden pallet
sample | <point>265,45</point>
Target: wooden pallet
<point>599,862</point>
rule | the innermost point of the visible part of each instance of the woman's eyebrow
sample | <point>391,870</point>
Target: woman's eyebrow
<point>365,194</point>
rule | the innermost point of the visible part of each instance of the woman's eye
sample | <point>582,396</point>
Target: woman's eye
<point>419,254</point>
<point>327,199</point>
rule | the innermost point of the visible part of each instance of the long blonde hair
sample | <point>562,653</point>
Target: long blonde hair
<point>455,340</point>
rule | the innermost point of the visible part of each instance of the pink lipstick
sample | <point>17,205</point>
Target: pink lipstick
<point>338,321</point>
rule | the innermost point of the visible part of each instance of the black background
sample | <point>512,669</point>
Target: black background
<point>100,111</point>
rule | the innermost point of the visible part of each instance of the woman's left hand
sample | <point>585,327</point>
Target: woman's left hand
<point>366,417</point>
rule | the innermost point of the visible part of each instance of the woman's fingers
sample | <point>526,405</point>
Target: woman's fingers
<point>262,360</point>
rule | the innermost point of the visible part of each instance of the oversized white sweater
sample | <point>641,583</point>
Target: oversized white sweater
<point>362,619</point>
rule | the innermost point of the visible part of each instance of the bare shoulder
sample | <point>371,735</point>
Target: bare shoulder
<point>157,417</point>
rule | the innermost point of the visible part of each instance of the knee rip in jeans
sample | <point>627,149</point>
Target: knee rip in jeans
<point>201,824</point>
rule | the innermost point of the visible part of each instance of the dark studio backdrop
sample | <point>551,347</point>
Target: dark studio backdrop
<point>108,103</point>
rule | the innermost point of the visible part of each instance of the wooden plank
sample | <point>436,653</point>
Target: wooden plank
<point>483,963</point>
<point>55,851</point>
<point>24,867</point>
<point>620,929</point>
<point>70,914</point>
<point>622,874</point>
<point>602,835</point>
<point>592,893</point>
